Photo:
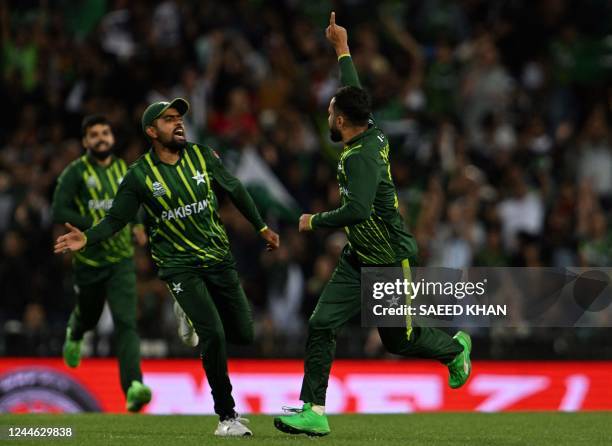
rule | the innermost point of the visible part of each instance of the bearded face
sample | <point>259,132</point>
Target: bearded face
<point>99,141</point>
<point>170,131</point>
<point>334,132</point>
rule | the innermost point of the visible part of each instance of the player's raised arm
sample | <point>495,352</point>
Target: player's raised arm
<point>338,37</point>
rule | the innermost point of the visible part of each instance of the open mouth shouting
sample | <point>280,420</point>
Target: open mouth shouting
<point>179,134</point>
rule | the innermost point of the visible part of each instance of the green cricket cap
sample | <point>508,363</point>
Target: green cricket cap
<point>155,110</point>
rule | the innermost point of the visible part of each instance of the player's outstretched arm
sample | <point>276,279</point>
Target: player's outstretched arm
<point>124,208</point>
<point>362,174</point>
<point>338,37</point>
<point>243,201</point>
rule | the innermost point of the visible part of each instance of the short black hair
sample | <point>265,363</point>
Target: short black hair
<point>354,104</point>
<point>91,120</point>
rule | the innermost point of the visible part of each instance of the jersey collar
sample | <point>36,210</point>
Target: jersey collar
<point>154,156</point>
<point>157,161</point>
<point>356,138</point>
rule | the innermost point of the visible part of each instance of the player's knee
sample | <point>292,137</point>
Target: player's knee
<point>319,321</point>
<point>211,337</point>
<point>395,340</point>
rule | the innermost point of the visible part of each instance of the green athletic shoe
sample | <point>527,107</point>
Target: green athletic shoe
<point>71,350</point>
<point>303,421</point>
<point>137,396</point>
<point>460,368</point>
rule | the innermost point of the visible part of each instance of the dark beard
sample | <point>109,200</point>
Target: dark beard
<point>174,146</point>
<point>101,156</point>
<point>335,135</point>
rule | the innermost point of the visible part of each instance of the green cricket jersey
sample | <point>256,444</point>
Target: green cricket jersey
<point>369,210</point>
<point>182,216</point>
<point>84,192</point>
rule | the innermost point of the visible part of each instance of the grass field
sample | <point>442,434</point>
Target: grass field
<point>509,429</point>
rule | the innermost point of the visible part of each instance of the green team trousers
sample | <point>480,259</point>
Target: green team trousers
<point>115,284</point>
<point>214,301</point>
<point>339,302</point>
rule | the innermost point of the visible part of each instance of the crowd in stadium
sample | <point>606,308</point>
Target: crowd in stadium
<point>501,144</point>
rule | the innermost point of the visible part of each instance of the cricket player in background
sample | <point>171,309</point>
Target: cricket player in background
<point>376,237</point>
<point>173,182</point>
<point>105,272</point>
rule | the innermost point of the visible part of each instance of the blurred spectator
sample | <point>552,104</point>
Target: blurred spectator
<point>522,211</point>
<point>498,114</point>
<point>458,240</point>
<point>596,248</point>
<point>492,253</point>
<point>487,86</point>
<point>595,146</point>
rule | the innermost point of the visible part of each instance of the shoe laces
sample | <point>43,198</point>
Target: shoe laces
<point>239,419</point>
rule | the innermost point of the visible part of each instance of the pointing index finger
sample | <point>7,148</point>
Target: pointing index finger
<point>332,19</point>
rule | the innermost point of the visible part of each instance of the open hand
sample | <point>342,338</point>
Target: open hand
<point>272,239</point>
<point>72,241</point>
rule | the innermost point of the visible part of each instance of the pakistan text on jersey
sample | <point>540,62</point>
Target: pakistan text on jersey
<point>96,205</point>
<point>185,211</point>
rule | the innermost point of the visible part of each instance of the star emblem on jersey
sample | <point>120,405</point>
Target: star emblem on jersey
<point>394,301</point>
<point>199,177</point>
<point>176,288</point>
<point>158,189</point>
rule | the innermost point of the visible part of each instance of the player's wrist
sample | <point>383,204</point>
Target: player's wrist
<point>343,51</point>
<point>84,242</point>
<point>262,230</point>
<point>310,222</point>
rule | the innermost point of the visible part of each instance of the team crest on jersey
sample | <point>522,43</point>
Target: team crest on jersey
<point>91,182</point>
<point>158,189</point>
<point>200,178</point>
